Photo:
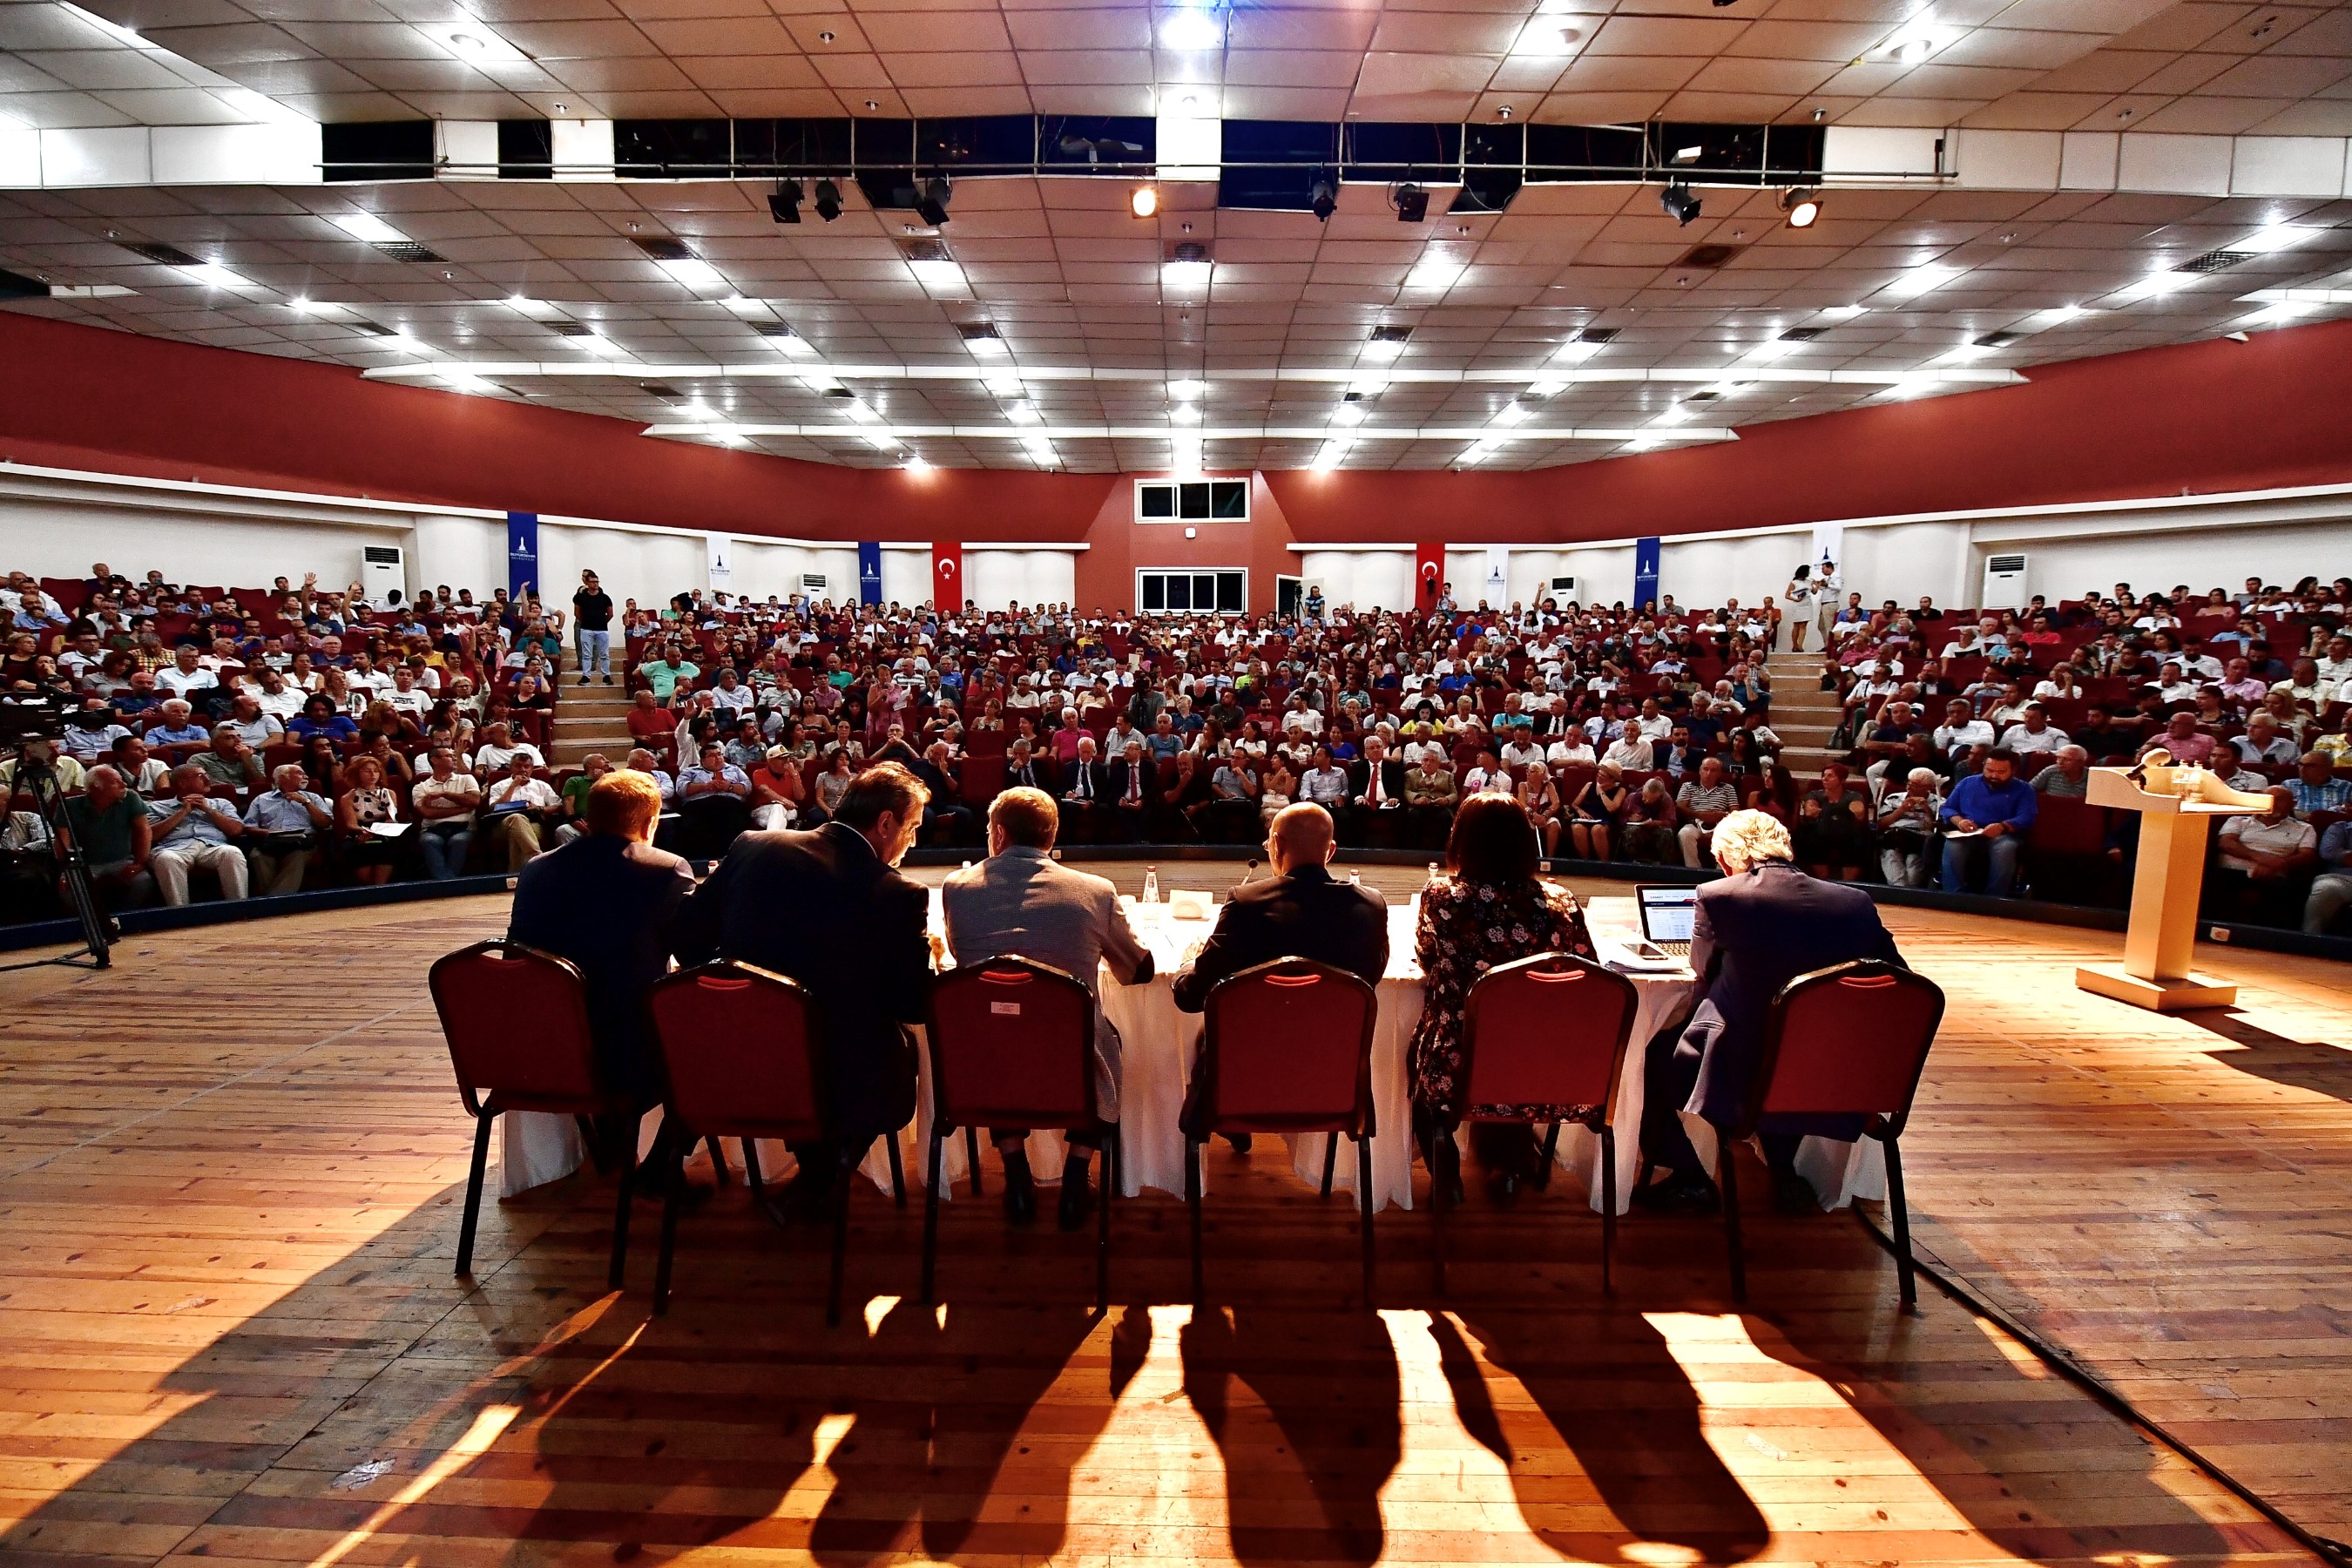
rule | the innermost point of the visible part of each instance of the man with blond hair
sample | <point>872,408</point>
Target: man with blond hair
<point>1022,902</point>
<point>1760,926</point>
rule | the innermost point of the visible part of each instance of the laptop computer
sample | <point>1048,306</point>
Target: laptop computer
<point>1666,916</point>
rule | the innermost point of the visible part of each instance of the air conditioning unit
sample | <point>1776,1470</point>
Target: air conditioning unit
<point>1564,585</point>
<point>383,573</point>
<point>2004,582</point>
<point>812,583</point>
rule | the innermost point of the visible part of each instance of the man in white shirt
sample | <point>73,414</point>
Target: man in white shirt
<point>1521,751</point>
<point>1571,749</point>
<point>255,727</point>
<point>405,696</point>
<point>185,674</point>
<point>517,808</point>
<point>2034,735</point>
<point>1654,725</point>
<point>1325,784</point>
<point>1961,729</point>
<point>1630,753</point>
<point>499,749</point>
<point>731,696</point>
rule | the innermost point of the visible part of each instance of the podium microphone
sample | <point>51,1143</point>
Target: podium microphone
<point>1247,872</point>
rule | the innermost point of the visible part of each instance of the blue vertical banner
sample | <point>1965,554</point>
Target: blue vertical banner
<point>870,572</point>
<point>522,552</point>
<point>1645,571</point>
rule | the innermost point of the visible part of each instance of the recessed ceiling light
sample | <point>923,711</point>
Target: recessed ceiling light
<point>1434,274</point>
<point>366,226</point>
<point>1845,312</point>
<point>115,30</point>
<point>1143,201</point>
<point>1004,384</point>
<point>213,275</point>
<point>1192,31</point>
<point>1911,46</point>
<point>1184,414</point>
<point>1330,454</point>
<point>1347,414</point>
<point>915,464</point>
<point>1918,280</point>
<point>1546,388</point>
<point>1022,414</point>
<point>1187,389</point>
<point>2277,237</point>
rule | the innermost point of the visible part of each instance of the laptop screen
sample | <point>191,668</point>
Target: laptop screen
<point>1667,913</point>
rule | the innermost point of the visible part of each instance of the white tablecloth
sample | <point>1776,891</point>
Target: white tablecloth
<point>1160,1044</point>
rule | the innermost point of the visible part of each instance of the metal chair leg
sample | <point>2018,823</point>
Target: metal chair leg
<point>1551,1158</point>
<point>897,1170</point>
<point>668,1247</point>
<point>1193,1201</point>
<point>466,1224</point>
<point>614,1275</point>
<point>843,1179</point>
<point>971,1156</point>
<point>1437,1209</point>
<point>1330,1161</point>
<point>1364,1201</point>
<point>1900,1208</point>
<point>752,1172</point>
<point>1726,1176</point>
<point>1102,1222</point>
<point>1608,1205</point>
<point>931,1211</point>
<point>718,1170</point>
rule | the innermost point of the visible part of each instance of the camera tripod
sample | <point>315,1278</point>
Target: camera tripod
<point>37,778</point>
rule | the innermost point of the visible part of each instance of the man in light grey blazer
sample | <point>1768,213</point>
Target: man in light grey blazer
<point>1020,900</point>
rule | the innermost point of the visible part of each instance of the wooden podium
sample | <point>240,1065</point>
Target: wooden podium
<point>2166,880</point>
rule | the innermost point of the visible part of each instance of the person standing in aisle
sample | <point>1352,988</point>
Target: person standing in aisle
<point>592,620</point>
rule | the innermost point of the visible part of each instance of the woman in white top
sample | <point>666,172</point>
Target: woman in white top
<point>1799,596</point>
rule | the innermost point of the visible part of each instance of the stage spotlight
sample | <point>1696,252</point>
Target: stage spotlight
<point>1680,204</point>
<point>1411,204</point>
<point>828,200</point>
<point>784,203</point>
<point>1143,201</point>
<point>1803,207</point>
<point>933,206</point>
<point>1323,201</point>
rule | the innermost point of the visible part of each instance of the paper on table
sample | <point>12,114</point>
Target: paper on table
<point>1964,833</point>
<point>388,829</point>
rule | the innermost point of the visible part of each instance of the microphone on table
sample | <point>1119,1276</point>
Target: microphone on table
<point>1247,872</point>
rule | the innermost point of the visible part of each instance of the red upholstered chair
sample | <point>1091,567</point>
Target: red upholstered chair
<point>517,1023</point>
<point>1540,1035</point>
<point>1288,1049</point>
<point>1013,1044</point>
<point>740,1048</point>
<point>1848,1040</point>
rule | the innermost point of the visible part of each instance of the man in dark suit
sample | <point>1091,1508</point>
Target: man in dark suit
<point>1024,769</point>
<point>829,908</point>
<point>1765,923</point>
<point>1134,782</point>
<point>1302,912</point>
<point>1375,797</point>
<point>609,902</point>
<point>1085,796</point>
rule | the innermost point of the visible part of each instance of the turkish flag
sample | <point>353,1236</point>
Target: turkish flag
<point>947,578</point>
<point>1428,573</point>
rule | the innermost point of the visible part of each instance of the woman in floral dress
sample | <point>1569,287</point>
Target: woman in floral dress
<point>1490,910</point>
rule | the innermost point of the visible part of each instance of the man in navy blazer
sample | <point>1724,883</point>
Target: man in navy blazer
<point>608,901</point>
<point>1763,925</point>
<point>829,908</point>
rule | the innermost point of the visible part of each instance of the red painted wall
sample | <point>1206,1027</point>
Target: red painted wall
<point>1117,545</point>
<point>2202,417</point>
<point>69,393</point>
<point>2199,418</point>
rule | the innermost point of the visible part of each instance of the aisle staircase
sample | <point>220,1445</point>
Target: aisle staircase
<point>595,718</point>
<point>1802,713</point>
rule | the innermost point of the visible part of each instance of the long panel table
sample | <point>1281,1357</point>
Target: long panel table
<point>1160,1044</point>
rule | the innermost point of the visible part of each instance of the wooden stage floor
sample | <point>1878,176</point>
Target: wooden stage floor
<point>230,1173</point>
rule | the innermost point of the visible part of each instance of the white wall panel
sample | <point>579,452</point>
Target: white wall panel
<point>1368,579</point>
<point>997,578</point>
<point>907,576</point>
<point>62,539</point>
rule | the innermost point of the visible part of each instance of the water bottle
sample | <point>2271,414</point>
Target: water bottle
<point>1433,871</point>
<point>1355,879</point>
<point>1152,884</point>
